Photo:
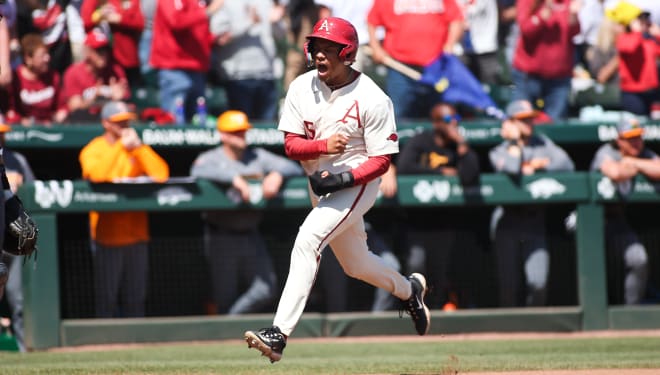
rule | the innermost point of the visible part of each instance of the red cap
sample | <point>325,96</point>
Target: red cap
<point>96,39</point>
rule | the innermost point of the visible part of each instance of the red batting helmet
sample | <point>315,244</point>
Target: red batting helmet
<point>336,30</point>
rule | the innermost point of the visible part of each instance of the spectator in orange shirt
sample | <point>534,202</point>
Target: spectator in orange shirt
<point>120,239</point>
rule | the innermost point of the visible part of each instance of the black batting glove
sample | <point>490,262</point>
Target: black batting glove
<point>330,183</point>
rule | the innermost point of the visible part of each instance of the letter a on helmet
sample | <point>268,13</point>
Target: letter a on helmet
<point>336,30</point>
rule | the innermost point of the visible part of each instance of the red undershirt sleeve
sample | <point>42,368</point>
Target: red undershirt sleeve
<point>373,168</point>
<point>297,147</point>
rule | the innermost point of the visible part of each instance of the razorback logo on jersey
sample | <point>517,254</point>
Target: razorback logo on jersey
<point>393,137</point>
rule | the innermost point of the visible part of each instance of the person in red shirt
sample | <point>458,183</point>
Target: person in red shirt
<point>544,55</point>
<point>95,80</point>
<point>123,21</point>
<point>181,51</point>
<point>638,49</point>
<point>416,33</point>
<point>36,87</point>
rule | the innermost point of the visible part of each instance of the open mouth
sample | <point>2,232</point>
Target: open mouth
<point>322,69</point>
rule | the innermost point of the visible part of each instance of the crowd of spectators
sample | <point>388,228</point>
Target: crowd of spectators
<point>70,56</point>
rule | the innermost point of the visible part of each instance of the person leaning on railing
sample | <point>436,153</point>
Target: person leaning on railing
<point>621,160</point>
<point>234,246</point>
<point>520,231</point>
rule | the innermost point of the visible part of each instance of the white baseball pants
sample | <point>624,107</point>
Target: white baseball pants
<point>336,220</point>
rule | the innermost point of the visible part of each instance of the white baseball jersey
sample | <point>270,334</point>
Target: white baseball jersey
<point>365,114</point>
<point>360,110</point>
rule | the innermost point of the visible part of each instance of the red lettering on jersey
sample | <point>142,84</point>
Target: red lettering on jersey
<point>354,113</point>
<point>310,130</point>
<point>393,137</point>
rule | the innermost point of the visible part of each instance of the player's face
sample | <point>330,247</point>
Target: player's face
<point>116,127</point>
<point>38,62</point>
<point>526,126</point>
<point>443,117</point>
<point>234,140</point>
<point>328,65</point>
<point>631,146</point>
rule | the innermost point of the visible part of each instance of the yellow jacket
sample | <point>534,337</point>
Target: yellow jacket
<point>105,162</point>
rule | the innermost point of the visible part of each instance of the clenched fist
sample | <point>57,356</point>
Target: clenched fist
<point>337,143</point>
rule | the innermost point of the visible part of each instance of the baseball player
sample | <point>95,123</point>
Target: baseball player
<point>235,249</point>
<point>441,150</point>
<point>621,160</point>
<point>520,236</point>
<point>340,126</point>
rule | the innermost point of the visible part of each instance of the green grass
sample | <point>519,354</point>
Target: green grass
<point>311,357</point>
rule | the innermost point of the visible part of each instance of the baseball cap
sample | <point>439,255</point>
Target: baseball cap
<point>623,13</point>
<point>629,128</point>
<point>521,109</point>
<point>233,121</point>
<point>96,38</point>
<point>116,111</point>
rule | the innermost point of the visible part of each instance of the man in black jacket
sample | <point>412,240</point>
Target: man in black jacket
<point>441,150</point>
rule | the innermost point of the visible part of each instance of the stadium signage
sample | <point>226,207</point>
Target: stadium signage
<point>426,191</point>
<point>608,132</point>
<point>180,137</point>
<point>62,193</point>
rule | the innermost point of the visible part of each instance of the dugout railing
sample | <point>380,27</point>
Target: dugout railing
<point>49,200</point>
